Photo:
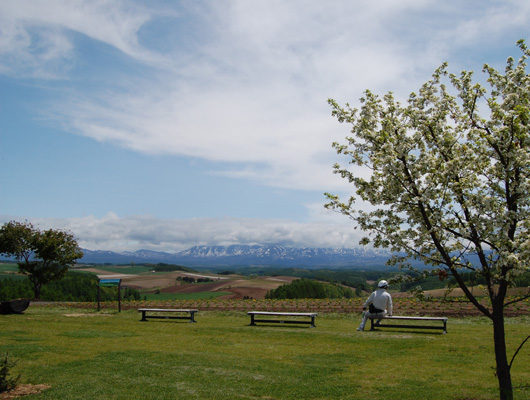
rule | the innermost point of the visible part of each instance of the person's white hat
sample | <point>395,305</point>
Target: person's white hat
<point>382,284</point>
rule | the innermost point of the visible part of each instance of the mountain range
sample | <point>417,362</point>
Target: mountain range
<point>239,255</point>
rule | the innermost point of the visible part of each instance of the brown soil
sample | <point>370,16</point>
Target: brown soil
<point>243,288</point>
<point>239,288</point>
<point>147,280</point>
<point>194,288</point>
<point>23,390</point>
<point>245,293</point>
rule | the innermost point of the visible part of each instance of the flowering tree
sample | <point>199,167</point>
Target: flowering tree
<point>450,187</point>
<point>44,256</point>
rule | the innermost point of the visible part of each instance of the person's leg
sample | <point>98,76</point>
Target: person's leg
<point>380,317</point>
<point>363,322</point>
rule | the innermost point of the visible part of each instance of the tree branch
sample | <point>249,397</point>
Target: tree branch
<point>439,246</point>
<point>517,300</point>
<point>517,351</point>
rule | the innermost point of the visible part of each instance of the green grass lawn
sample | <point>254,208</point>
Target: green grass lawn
<point>7,271</point>
<point>8,267</point>
<point>84,354</point>
<point>12,276</point>
<point>125,269</point>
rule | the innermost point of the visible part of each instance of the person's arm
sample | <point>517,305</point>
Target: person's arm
<point>369,301</point>
<point>390,306</point>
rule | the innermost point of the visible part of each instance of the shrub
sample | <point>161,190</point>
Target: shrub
<point>309,289</point>
<point>7,383</point>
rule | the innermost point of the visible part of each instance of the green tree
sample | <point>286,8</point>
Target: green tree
<point>309,289</point>
<point>44,256</point>
<point>449,187</point>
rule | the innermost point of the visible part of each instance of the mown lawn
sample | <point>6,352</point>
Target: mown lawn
<point>8,270</point>
<point>122,269</point>
<point>83,354</point>
<point>8,267</point>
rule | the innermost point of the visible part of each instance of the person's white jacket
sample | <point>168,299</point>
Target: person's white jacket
<point>381,299</point>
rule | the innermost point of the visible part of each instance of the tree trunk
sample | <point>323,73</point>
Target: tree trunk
<point>37,287</point>
<point>503,369</point>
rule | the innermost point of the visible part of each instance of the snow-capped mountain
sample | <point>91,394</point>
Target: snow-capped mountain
<point>246,255</point>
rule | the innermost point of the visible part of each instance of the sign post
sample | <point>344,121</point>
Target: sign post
<point>113,283</point>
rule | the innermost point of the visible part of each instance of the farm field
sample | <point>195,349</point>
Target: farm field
<point>84,354</point>
<point>235,286</point>
<point>241,293</point>
<point>455,307</point>
<point>245,293</point>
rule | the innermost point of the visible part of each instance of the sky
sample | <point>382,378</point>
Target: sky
<point>163,125</point>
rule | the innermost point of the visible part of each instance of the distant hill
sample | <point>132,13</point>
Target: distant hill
<point>246,255</point>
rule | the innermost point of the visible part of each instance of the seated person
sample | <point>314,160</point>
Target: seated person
<point>379,303</point>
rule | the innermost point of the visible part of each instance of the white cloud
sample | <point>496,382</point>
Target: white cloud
<point>111,232</point>
<point>252,88</point>
<point>256,93</point>
<point>240,82</point>
<point>36,35</point>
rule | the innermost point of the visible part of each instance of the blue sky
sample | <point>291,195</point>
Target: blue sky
<point>167,124</point>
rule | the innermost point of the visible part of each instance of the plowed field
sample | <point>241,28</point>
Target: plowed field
<point>249,294</point>
<point>239,287</point>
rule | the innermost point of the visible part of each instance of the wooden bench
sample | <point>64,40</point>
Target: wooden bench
<point>253,319</point>
<point>190,317</point>
<point>443,327</point>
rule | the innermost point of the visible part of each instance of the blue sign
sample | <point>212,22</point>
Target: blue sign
<point>109,282</point>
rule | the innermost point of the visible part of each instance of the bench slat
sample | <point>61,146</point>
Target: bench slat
<point>409,326</point>
<point>166,310</point>
<point>417,318</point>
<point>253,320</point>
<point>402,318</point>
<point>286,314</point>
<point>144,312</point>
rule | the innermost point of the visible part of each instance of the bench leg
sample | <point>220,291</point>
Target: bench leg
<point>252,323</point>
<point>143,316</point>
<point>192,317</point>
<point>313,322</point>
